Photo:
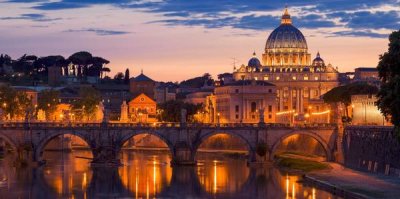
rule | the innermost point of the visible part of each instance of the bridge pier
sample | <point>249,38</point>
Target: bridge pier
<point>105,156</point>
<point>2,147</point>
<point>182,155</point>
<point>255,159</point>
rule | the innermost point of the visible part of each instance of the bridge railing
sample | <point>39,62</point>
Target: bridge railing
<point>157,125</point>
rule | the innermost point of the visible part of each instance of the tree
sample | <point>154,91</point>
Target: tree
<point>48,101</point>
<point>389,74</point>
<point>89,99</point>
<point>24,64</point>
<point>119,78</point>
<point>41,65</point>
<point>127,77</point>
<point>14,103</point>
<point>81,60</point>
<point>171,111</point>
<point>198,82</point>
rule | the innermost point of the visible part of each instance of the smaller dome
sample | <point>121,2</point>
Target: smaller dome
<point>254,62</point>
<point>318,61</point>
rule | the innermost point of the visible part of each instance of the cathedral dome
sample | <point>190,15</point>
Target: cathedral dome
<point>254,62</point>
<point>286,35</point>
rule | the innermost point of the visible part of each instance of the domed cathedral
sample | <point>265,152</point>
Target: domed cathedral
<point>300,81</point>
<point>286,46</point>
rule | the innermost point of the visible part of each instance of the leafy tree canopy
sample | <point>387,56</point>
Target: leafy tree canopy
<point>198,82</point>
<point>389,73</point>
<point>343,94</point>
<point>171,110</point>
<point>48,101</point>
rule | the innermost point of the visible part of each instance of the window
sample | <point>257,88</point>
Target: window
<point>277,77</point>
<point>266,78</point>
<point>236,90</point>
<point>253,107</point>
<point>316,78</point>
<point>306,77</point>
<point>269,90</point>
<point>237,116</point>
<point>269,108</point>
<point>269,116</point>
<point>237,108</point>
<point>294,78</point>
<point>256,78</point>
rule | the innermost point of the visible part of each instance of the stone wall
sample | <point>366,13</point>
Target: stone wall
<point>372,148</point>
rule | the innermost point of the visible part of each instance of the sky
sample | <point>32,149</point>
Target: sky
<point>173,40</point>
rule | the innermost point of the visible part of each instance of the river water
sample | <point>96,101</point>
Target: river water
<point>148,174</point>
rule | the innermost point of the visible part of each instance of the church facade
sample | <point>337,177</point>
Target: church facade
<point>300,82</point>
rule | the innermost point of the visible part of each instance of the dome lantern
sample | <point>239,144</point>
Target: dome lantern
<point>286,17</point>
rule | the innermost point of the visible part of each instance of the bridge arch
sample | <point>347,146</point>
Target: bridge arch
<point>157,134</point>
<point>204,136</point>
<point>9,141</point>
<point>38,150</point>
<point>314,135</point>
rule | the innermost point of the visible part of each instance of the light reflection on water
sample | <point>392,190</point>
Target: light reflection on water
<point>149,175</point>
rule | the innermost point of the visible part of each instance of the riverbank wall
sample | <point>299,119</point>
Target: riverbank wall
<point>373,149</point>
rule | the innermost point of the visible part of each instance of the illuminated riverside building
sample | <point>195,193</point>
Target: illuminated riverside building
<point>300,82</point>
<point>364,111</point>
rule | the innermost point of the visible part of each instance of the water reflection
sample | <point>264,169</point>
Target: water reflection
<point>149,175</point>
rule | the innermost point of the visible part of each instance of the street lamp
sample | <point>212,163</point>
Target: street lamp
<point>218,118</point>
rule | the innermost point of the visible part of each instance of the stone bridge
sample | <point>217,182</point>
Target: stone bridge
<point>107,139</point>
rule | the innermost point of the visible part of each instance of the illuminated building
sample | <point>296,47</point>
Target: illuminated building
<point>242,101</point>
<point>364,111</point>
<point>142,109</point>
<point>300,82</point>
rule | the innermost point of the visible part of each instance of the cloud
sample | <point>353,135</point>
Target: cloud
<point>253,15</point>
<point>101,32</point>
<point>31,16</point>
<point>365,33</point>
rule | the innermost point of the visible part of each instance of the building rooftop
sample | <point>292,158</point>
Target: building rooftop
<point>367,69</point>
<point>142,78</point>
<point>249,83</point>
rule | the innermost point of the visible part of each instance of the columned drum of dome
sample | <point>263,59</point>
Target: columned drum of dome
<point>286,46</point>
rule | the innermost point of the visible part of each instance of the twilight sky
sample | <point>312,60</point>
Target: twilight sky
<point>172,40</point>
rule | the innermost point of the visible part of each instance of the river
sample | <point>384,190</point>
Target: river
<point>148,174</point>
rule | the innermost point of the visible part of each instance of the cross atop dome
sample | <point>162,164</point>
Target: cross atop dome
<point>286,17</point>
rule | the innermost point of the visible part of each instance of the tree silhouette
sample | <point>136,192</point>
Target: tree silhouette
<point>389,73</point>
<point>127,77</point>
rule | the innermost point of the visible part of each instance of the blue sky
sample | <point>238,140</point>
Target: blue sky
<point>177,39</point>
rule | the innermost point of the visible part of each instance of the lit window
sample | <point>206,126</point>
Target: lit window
<point>255,78</point>
<point>294,77</point>
<point>305,77</point>
<point>316,78</point>
<point>277,78</point>
<point>266,78</point>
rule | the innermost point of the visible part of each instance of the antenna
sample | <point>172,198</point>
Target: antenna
<point>234,62</point>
